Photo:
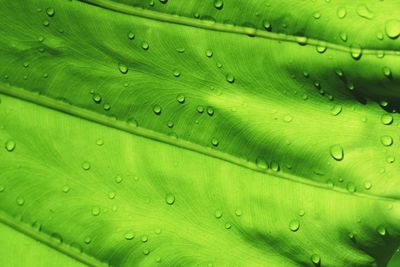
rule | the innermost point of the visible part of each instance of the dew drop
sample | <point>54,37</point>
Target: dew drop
<point>163,1</point>
<point>131,35</point>
<point>123,68</point>
<point>97,98</point>
<point>386,140</point>
<point>95,211</point>
<point>169,199</point>
<point>228,226</point>
<point>218,4</point>
<point>387,119</point>
<point>210,111</point>
<point>336,152</point>
<point>86,166</point>
<point>145,45</point>
<point>177,73</point>
<point>215,142</point>
<point>287,118</point>
<point>343,36</point>
<point>118,179</point>
<point>129,236</point>
<point>230,78</point>
<point>267,25</point>
<point>218,214</point>
<point>111,195</point>
<point>209,53</point>
<point>180,99</point>
<point>321,47</point>
<point>356,52</point>
<point>381,230</point>
<point>364,12</point>
<point>157,109</point>
<point>294,225</point>
<point>387,72</point>
<point>392,28</point>
<point>316,259</point>
<point>66,188</point>
<point>351,187</point>
<point>200,109</point>
<point>50,12</point>
<point>20,201</point>
<point>262,163</point>
<point>238,212</point>
<point>341,12</point>
<point>336,110</point>
<point>10,145</point>
<point>87,240</point>
<point>99,142</point>
<point>367,185</point>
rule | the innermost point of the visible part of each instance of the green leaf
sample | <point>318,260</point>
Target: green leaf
<point>199,133</point>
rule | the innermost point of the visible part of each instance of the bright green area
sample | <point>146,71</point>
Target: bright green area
<point>135,137</point>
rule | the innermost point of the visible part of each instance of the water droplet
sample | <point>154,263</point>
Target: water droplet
<point>294,225</point>
<point>386,140</point>
<point>262,163</point>
<point>147,251</point>
<point>97,98</point>
<point>341,12</point>
<point>218,214</point>
<point>337,152</point>
<point>132,122</point>
<point>46,23</point>
<point>387,119</point>
<point>157,109</point>
<point>123,68</point>
<point>111,195</point>
<point>66,188</point>
<point>218,4</point>
<point>170,124</point>
<point>99,142</point>
<point>351,187</point>
<point>275,166</point>
<point>316,259</point>
<point>10,145</point>
<point>209,53</point>
<point>381,230</point>
<point>129,236</point>
<point>145,46</point>
<point>2,188</point>
<point>210,111</point>
<point>317,15</point>
<point>163,1</point>
<point>228,226</point>
<point>343,36</point>
<point>50,12</point>
<point>86,166</point>
<point>287,118</point>
<point>214,142</point>
<point>387,72</point>
<point>367,185</point>
<point>356,52</point>
<point>392,28</point>
<point>170,199</point>
<point>321,47</point>
<point>336,109</point>
<point>230,78</point>
<point>238,212</point>
<point>200,109</point>
<point>87,240</point>
<point>267,25</point>
<point>131,35</point>
<point>177,73</point>
<point>180,50</point>
<point>364,12</point>
<point>118,179</point>
<point>26,64</point>
<point>180,99</point>
<point>390,159</point>
<point>20,201</point>
<point>302,213</point>
<point>95,211</point>
<point>145,239</point>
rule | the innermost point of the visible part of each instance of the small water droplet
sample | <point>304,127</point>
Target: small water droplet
<point>218,214</point>
<point>50,12</point>
<point>210,111</point>
<point>131,35</point>
<point>387,119</point>
<point>262,163</point>
<point>145,238</point>
<point>230,78</point>
<point>20,201</point>
<point>321,47</point>
<point>97,98</point>
<point>364,12</point>
<point>145,45</point>
<point>66,188</point>
<point>180,99</point>
<point>386,140</point>
<point>177,73</point>
<point>46,23</point>
<point>95,211</point>
<point>170,199</point>
<point>356,52</point>
<point>287,118</point>
<point>99,142</point>
<point>294,225</point>
<point>209,53</point>
<point>367,185</point>
<point>123,68</point>
<point>351,187</point>
<point>111,195</point>
<point>381,230</point>
<point>215,142</point>
<point>387,72</point>
<point>317,15</point>
<point>157,109</point>
<point>341,12</point>
<point>343,36</point>
<point>10,145</point>
<point>87,240</point>
<point>336,152</point>
<point>118,179</point>
<point>218,4</point>
<point>267,25</point>
<point>301,213</point>
<point>86,166</point>
<point>228,226</point>
<point>200,109</point>
<point>238,212</point>
<point>129,236</point>
<point>316,259</point>
<point>336,109</point>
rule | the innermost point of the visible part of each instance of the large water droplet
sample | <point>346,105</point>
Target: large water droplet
<point>336,152</point>
<point>392,28</point>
